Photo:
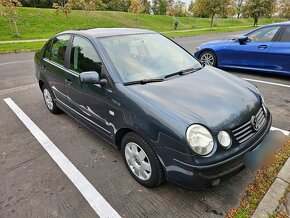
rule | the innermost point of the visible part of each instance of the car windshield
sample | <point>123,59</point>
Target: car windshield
<point>146,56</point>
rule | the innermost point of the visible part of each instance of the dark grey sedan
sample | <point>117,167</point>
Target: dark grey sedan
<point>172,118</point>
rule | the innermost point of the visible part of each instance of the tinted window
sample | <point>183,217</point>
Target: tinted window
<point>58,48</point>
<point>48,50</point>
<point>286,35</point>
<point>264,34</point>
<point>84,56</point>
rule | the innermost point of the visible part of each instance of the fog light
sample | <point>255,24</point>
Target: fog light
<point>224,139</point>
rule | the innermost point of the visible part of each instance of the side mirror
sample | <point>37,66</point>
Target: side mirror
<point>92,77</point>
<point>243,39</point>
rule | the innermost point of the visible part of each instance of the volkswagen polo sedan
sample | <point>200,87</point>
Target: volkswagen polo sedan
<point>171,118</point>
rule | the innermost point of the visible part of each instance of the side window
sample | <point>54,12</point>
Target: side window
<point>84,56</point>
<point>48,50</point>
<point>58,48</point>
<point>286,35</point>
<point>264,34</point>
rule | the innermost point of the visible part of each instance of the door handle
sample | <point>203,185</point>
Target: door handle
<point>262,46</point>
<point>68,81</point>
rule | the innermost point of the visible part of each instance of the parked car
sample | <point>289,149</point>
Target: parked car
<point>171,118</point>
<point>265,49</point>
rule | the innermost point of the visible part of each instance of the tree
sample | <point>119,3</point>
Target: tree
<point>257,8</point>
<point>118,5</point>
<point>283,8</point>
<point>66,8</point>
<point>147,6</point>
<point>159,7</point>
<point>191,7</point>
<point>212,8</point>
<point>239,7</point>
<point>8,9</point>
<point>136,7</point>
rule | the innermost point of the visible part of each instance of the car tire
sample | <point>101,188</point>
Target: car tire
<point>208,58</point>
<point>141,161</point>
<point>49,101</point>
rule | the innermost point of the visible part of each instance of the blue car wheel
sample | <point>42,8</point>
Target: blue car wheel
<point>208,58</point>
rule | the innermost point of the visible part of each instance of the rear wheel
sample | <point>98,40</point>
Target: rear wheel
<point>49,101</point>
<point>141,161</point>
<point>208,58</point>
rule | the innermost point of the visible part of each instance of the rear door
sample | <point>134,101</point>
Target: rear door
<point>54,66</point>
<point>279,54</point>
<point>253,52</point>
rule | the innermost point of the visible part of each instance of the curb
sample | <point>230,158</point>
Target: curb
<point>276,192</point>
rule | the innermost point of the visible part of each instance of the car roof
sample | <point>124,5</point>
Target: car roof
<point>106,32</point>
<point>280,23</point>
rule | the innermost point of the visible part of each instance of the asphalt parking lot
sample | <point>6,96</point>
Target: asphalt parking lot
<point>32,184</point>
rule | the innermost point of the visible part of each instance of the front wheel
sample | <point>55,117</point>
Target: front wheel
<point>141,161</point>
<point>208,58</point>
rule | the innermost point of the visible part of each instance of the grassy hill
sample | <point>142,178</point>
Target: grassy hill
<point>36,23</point>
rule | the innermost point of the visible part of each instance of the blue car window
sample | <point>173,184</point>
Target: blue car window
<point>286,35</point>
<point>84,56</point>
<point>265,34</point>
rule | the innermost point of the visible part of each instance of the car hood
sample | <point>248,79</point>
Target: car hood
<point>221,42</point>
<point>209,96</point>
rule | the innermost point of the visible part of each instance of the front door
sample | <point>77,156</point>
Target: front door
<point>253,52</point>
<point>91,102</point>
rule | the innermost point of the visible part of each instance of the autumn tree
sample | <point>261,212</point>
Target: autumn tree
<point>136,7</point>
<point>212,8</point>
<point>239,7</point>
<point>257,8</point>
<point>65,8</point>
<point>283,8</point>
<point>8,9</point>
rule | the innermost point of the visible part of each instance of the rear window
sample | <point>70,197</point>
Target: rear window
<point>286,35</point>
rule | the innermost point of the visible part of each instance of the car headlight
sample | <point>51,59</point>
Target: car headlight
<point>197,49</point>
<point>224,139</point>
<point>199,139</point>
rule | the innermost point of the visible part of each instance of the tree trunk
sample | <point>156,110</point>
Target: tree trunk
<point>256,21</point>
<point>15,27</point>
<point>211,22</point>
<point>238,15</point>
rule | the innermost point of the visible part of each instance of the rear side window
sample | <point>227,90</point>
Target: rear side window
<point>286,35</point>
<point>58,49</point>
<point>84,56</point>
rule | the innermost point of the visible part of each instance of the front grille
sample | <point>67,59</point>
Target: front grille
<point>245,131</point>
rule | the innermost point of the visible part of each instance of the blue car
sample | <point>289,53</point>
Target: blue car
<point>264,49</point>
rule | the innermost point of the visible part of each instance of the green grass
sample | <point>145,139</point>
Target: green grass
<point>20,47</point>
<point>36,23</point>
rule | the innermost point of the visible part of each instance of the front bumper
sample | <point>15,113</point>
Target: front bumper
<point>200,177</point>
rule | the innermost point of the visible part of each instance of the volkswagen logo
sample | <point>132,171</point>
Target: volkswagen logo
<point>255,123</point>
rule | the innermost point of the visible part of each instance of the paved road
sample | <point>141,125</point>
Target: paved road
<point>32,185</point>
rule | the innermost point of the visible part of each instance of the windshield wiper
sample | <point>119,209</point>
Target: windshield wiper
<point>144,81</point>
<point>183,72</point>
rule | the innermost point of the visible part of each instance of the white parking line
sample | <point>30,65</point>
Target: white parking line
<point>94,198</point>
<point>281,130</point>
<point>15,62</point>
<point>266,82</point>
